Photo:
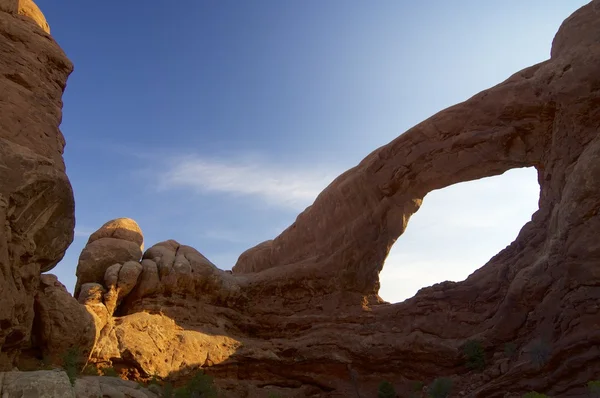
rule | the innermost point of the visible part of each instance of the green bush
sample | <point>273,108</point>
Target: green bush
<point>154,380</point>
<point>110,372</point>
<point>167,391</point>
<point>534,394</point>
<point>474,354</point>
<point>90,370</point>
<point>200,385</point>
<point>417,386</point>
<point>386,390</point>
<point>440,388</point>
<point>71,363</point>
<point>416,389</point>
<point>594,388</point>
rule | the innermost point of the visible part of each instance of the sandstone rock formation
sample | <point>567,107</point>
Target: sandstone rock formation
<point>36,200</point>
<point>60,322</point>
<point>116,242</point>
<point>300,314</point>
<point>303,308</point>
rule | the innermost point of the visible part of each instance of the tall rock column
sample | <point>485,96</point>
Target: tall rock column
<point>36,199</point>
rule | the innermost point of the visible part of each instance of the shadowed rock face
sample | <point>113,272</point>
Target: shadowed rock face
<point>304,306</point>
<point>36,200</point>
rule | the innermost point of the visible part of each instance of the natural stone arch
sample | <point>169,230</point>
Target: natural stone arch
<point>359,216</point>
<point>521,122</point>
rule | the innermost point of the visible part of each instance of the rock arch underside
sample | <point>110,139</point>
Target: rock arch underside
<point>300,314</point>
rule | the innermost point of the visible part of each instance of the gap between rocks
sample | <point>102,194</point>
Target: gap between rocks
<point>457,230</point>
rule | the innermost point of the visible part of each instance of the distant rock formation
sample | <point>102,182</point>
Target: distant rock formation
<point>116,242</point>
<point>36,201</point>
<point>300,314</point>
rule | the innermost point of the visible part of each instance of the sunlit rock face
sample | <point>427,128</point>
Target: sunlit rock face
<point>116,242</point>
<point>36,200</point>
<point>301,312</point>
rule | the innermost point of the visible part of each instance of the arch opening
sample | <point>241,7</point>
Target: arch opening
<point>457,230</point>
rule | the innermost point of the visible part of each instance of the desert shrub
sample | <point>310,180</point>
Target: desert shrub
<point>110,372</point>
<point>474,354</point>
<point>154,380</point>
<point>594,388</point>
<point>440,388</point>
<point>167,391</point>
<point>71,363</point>
<point>417,386</point>
<point>200,386</point>
<point>510,350</point>
<point>534,394</point>
<point>416,389</point>
<point>90,370</point>
<point>386,390</point>
<point>539,353</point>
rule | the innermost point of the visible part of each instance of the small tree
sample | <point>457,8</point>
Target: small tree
<point>386,390</point>
<point>474,354</point>
<point>200,386</point>
<point>72,363</point>
<point>440,388</point>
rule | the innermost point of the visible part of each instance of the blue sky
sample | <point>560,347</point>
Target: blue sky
<point>216,122</point>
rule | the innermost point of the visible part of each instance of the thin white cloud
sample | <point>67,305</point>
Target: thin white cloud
<point>275,184</point>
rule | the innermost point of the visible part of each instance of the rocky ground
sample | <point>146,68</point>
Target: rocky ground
<point>300,315</point>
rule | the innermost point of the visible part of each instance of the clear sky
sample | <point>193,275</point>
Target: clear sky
<point>216,122</point>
